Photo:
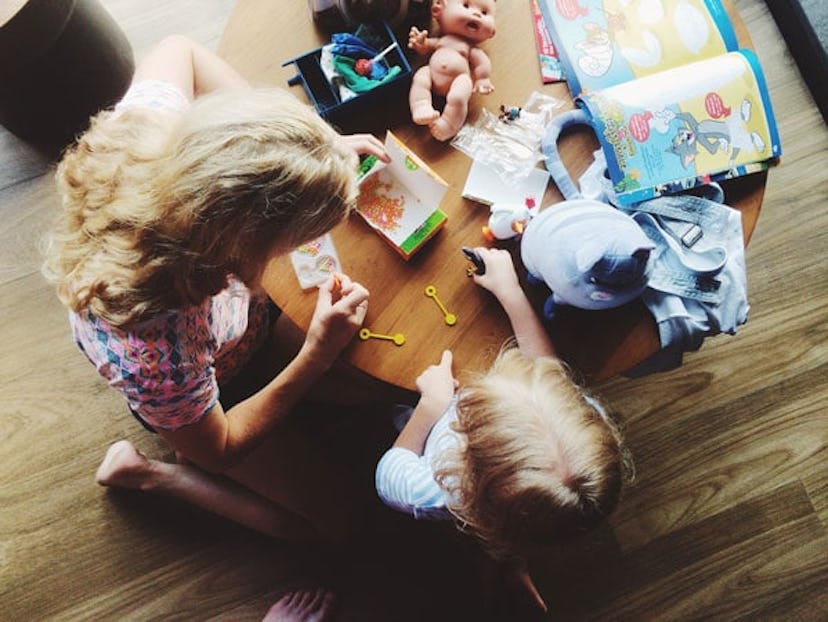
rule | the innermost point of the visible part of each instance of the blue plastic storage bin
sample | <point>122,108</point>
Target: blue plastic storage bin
<point>360,113</point>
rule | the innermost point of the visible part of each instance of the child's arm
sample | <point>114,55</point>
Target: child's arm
<point>500,279</point>
<point>436,385</point>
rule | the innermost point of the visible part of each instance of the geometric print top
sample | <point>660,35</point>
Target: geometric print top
<point>168,367</point>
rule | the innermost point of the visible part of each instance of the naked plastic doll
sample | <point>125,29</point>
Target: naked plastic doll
<point>457,67</point>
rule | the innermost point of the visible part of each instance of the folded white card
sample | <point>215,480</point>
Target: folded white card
<point>484,185</point>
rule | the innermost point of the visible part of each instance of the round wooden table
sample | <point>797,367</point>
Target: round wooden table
<point>261,35</point>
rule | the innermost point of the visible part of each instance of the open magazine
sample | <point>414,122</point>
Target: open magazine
<point>673,100</point>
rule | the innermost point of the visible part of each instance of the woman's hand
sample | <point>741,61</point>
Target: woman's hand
<point>437,385</point>
<point>500,277</point>
<point>366,144</point>
<point>340,311</point>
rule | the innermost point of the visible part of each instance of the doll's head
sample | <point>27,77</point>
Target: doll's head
<point>473,20</point>
<point>540,460</point>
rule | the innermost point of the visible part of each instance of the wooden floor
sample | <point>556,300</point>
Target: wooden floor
<point>726,520</point>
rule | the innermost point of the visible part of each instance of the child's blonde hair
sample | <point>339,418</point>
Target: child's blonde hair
<point>538,461</point>
<point>159,209</point>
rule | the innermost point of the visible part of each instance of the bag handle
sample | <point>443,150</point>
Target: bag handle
<point>549,146</point>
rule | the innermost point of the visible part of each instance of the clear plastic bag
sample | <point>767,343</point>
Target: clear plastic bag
<point>510,146</point>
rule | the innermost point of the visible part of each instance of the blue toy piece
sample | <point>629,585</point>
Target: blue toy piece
<point>589,254</point>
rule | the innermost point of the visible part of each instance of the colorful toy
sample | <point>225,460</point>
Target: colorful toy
<point>449,318</point>
<point>478,266</point>
<point>589,254</point>
<point>508,113</point>
<point>368,66</point>
<point>457,67</point>
<point>508,220</point>
<point>398,338</point>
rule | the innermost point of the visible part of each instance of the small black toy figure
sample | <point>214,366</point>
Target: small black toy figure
<point>478,265</point>
<point>508,113</point>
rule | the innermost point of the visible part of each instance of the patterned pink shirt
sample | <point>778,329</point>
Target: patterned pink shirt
<point>168,368</point>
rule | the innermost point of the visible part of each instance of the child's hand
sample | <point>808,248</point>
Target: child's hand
<point>500,277</point>
<point>418,40</point>
<point>340,311</point>
<point>437,384</point>
<point>366,144</point>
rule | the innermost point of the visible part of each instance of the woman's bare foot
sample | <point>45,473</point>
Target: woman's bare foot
<point>302,606</point>
<point>123,466</point>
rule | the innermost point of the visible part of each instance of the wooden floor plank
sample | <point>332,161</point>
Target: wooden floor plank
<point>727,519</point>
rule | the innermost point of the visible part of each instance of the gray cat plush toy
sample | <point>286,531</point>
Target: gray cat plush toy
<point>589,254</point>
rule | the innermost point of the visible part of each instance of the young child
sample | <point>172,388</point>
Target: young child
<point>520,456</point>
<point>457,67</point>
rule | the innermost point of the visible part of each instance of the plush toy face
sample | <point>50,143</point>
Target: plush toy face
<point>589,254</point>
<point>473,20</point>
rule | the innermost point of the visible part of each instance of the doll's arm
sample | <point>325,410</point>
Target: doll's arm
<point>420,42</point>
<point>481,70</point>
<point>501,279</point>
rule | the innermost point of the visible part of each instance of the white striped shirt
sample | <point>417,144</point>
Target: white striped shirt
<point>405,481</point>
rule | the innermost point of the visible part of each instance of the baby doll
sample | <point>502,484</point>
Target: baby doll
<point>457,67</point>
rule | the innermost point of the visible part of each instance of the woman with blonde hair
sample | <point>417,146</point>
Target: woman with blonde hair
<point>519,456</point>
<point>173,204</point>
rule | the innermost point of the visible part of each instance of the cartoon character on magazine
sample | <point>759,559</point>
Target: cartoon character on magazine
<point>730,135</point>
<point>596,50</point>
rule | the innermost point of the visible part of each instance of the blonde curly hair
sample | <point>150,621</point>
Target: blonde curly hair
<point>159,209</point>
<point>538,461</point>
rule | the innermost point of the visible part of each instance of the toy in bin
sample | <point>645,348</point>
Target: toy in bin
<point>355,76</point>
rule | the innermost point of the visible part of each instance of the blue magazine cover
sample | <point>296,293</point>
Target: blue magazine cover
<point>686,126</point>
<point>607,42</point>
<point>673,101</point>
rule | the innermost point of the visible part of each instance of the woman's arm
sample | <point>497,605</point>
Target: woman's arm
<point>190,66</point>
<point>500,279</point>
<point>219,440</point>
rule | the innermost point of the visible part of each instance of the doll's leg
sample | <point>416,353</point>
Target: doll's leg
<point>419,98</point>
<point>457,107</point>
